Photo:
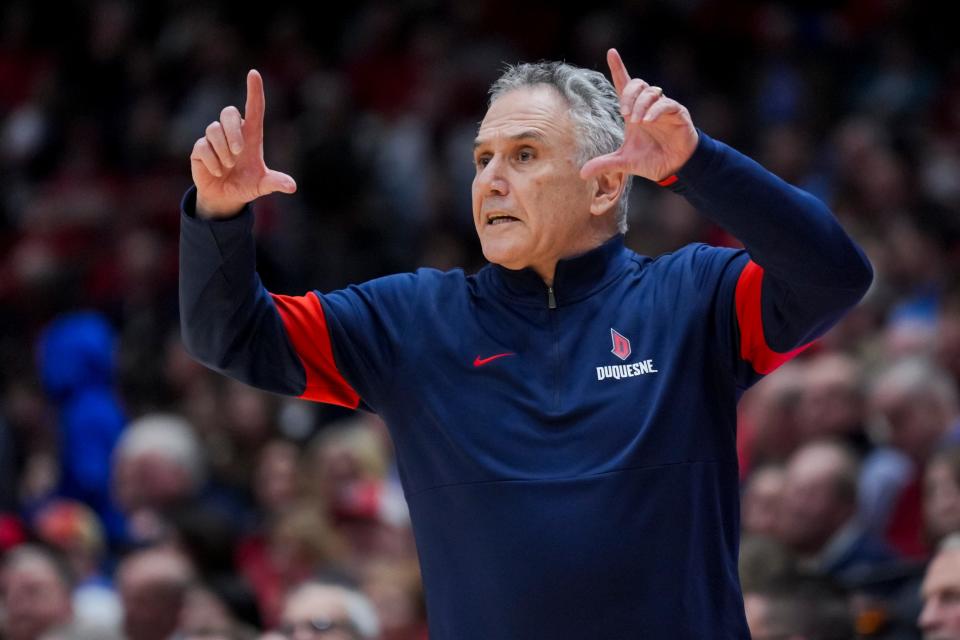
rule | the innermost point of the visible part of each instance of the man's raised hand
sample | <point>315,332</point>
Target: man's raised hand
<point>227,163</point>
<point>659,137</point>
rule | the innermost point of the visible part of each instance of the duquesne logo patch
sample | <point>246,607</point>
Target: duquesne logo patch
<point>621,346</point>
<point>621,349</point>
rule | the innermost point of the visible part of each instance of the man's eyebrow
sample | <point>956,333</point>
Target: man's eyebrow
<point>530,134</point>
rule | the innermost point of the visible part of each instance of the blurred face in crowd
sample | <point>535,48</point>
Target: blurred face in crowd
<point>152,586</point>
<point>916,421</point>
<point>772,408</point>
<point>941,500</point>
<point>204,615</point>
<point>761,500</point>
<point>814,506</point>
<point>150,480</point>
<point>940,618</point>
<point>831,404</point>
<point>275,483</point>
<point>35,598</point>
<point>530,206</point>
<point>313,612</point>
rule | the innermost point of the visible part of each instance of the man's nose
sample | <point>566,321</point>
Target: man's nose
<point>491,179</point>
<point>928,616</point>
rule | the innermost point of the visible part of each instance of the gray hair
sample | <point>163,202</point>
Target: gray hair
<point>594,109</point>
<point>950,543</point>
<point>169,435</point>
<point>918,376</point>
<point>360,610</point>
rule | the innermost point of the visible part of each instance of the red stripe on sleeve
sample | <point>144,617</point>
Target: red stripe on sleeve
<point>307,328</point>
<point>753,345</point>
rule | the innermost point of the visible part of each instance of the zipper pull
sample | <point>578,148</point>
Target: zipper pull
<point>551,299</point>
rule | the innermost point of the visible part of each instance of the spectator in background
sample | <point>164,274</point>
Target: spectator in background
<point>768,430</point>
<point>36,588</point>
<point>396,591</point>
<point>762,496</point>
<point>205,615</point>
<point>276,481</point>
<point>346,467</point>
<point>832,401</point>
<point>948,330</point>
<point>819,514</point>
<point>941,501</point>
<point>916,403</point>
<point>940,618</point>
<point>799,609</point>
<point>315,610</point>
<point>159,465</point>
<point>300,543</point>
<point>153,584</point>
<point>77,366</point>
<point>74,530</point>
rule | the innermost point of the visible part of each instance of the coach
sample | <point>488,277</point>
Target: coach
<point>564,419</point>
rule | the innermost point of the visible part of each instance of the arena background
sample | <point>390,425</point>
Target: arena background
<point>372,107</point>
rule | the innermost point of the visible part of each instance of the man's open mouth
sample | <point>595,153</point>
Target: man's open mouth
<point>500,218</point>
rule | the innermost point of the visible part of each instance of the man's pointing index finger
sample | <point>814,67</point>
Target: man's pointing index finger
<point>618,71</point>
<point>256,103</point>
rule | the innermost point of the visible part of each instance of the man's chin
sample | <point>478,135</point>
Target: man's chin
<point>505,254</point>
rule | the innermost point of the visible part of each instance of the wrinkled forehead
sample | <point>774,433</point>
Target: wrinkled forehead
<point>538,110</point>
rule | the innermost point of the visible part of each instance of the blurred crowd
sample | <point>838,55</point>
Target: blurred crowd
<point>145,497</point>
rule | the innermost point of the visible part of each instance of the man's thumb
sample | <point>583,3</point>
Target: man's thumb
<point>602,164</point>
<point>277,181</point>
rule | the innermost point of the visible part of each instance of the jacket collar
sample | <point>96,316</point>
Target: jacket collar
<point>575,278</point>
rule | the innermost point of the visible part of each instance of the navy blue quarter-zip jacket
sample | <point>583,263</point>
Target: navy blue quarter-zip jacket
<point>567,453</point>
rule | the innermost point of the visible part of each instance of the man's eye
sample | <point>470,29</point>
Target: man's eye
<point>482,161</point>
<point>525,155</point>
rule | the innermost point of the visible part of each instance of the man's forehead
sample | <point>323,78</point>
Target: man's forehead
<point>944,572</point>
<point>315,601</point>
<point>537,112</point>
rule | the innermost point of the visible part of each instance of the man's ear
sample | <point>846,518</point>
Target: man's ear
<point>609,187</point>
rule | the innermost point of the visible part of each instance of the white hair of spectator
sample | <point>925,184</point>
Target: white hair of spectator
<point>920,376</point>
<point>360,611</point>
<point>362,614</point>
<point>594,109</point>
<point>950,543</point>
<point>169,435</point>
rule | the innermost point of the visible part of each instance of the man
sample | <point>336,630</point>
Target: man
<point>917,401</point>
<point>801,608</point>
<point>153,585</point>
<point>36,586</point>
<point>320,611</point>
<point>940,618</point>
<point>818,514</point>
<point>564,420</point>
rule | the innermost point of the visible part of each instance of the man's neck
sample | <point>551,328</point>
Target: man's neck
<point>589,242</point>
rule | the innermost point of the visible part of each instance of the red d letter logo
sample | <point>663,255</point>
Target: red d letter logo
<point>621,346</point>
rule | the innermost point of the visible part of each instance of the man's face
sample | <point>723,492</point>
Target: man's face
<point>940,618</point>
<point>761,501</point>
<point>811,511</point>
<point>35,599</point>
<point>530,206</point>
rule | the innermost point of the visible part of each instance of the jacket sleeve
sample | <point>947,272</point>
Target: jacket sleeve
<point>803,271</point>
<point>279,343</point>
